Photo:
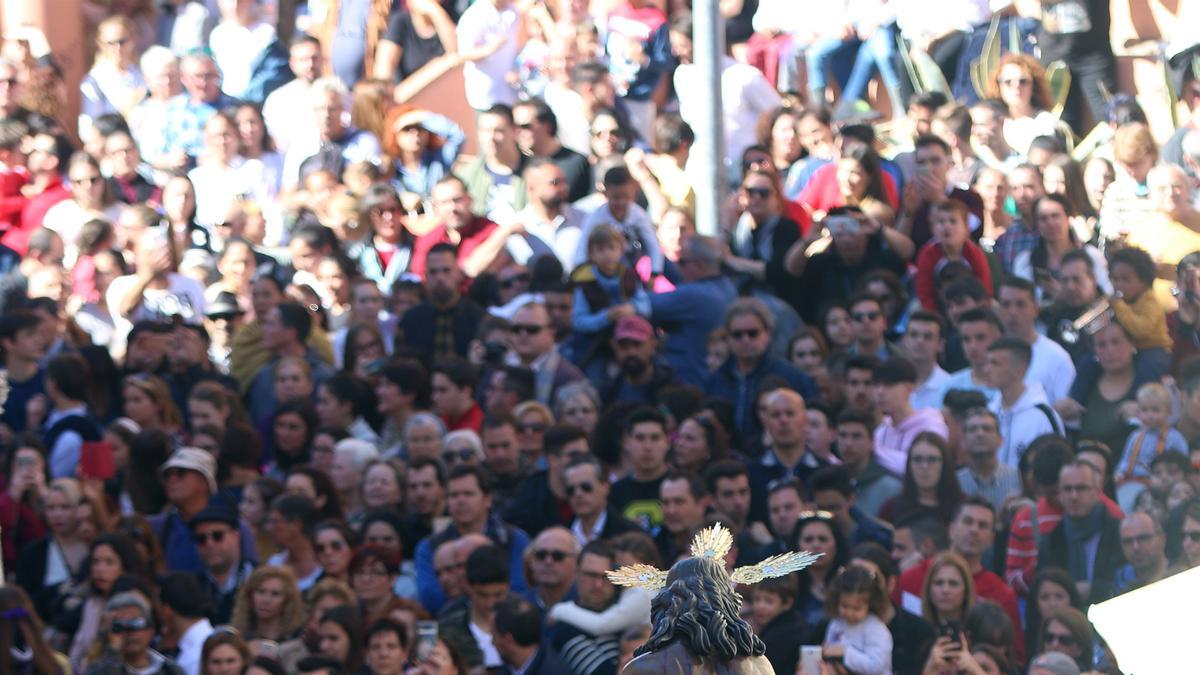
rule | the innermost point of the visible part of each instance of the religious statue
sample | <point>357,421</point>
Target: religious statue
<point>696,628</point>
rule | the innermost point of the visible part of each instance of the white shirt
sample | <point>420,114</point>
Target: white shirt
<point>285,125</point>
<point>491,657</point>
<point>218,187</point>
<point>485,79</point>
<point>586,537</point>
<point>235,48</point>
<point>560,236</point>
<point>190,644</point>
<point>929,394</point>
<point>183,296</point>
<point>1052,368</point>
<point>745,96</point>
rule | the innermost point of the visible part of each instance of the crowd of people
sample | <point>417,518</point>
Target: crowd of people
<point>300,377</point>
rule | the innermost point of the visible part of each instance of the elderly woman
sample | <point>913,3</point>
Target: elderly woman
<point>350,457</point>
<point>1020,81</point>
<point>383,485</point>
<point>578,404</point>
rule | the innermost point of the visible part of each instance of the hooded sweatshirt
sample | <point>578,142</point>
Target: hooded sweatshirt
<point>1031,416</point>
<point>893,441</point>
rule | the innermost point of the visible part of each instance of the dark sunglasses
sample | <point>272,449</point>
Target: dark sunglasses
<point>202,538</point>
<point>513,281</point>
<point>1063,639</point>
<point>761,193</point>
<point>752,333</point>
<point>534,428</point>
<point>556,556</point>
<point>527,328</point>
<point>586,488</point>
<point>865,316</point>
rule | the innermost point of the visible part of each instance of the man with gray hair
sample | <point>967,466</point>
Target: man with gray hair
<point>748,327</point>
<point>691,312</point>
<point>131,629</point>
<point>189,111</point>
<point>336,144</point>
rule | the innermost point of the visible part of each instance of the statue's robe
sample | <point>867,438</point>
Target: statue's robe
<point>677,660</point>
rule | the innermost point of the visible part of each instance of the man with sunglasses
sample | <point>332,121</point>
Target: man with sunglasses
<point>587,493</point>
<point>552,558</point>
<point>219,542</point>
<point>533,346</point>
<point>870,325</point>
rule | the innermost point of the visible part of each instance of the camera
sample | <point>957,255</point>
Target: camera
<point>129,625</point>
<point>842,224</point>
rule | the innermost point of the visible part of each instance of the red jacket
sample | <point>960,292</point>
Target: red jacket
<point>470,237</point>
<point>931,255</point>
<point>822,192</point>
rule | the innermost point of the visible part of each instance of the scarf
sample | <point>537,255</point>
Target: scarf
<point>1079,532</point>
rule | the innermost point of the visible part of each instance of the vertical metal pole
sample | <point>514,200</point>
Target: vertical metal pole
<point>708,52</point>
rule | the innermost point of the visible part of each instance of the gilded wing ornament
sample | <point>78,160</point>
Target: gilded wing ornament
<point>775,566</point>
<point>712,542</point>
<point>648,577</point>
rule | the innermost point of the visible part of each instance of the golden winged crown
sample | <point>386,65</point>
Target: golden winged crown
<point>714,542</point>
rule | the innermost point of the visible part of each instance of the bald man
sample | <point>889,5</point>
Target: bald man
<point>787,454</point>
<point>1144,545</point>
<point>551,560</point>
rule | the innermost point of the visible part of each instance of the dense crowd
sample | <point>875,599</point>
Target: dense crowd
<point>294,383</point>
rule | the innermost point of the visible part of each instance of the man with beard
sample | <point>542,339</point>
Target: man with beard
<point>642,376</point>
<point>552,224</point>
<point>583,653</point>
<point>1077,291</point>
<point>447,322</point>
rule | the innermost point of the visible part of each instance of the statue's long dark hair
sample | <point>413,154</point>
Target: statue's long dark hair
<point>699,609</point>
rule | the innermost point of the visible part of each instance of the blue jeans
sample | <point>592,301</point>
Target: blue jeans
<point>829,54</point>
<point>878,51</point>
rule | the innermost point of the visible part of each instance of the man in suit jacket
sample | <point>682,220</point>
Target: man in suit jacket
<point>1087,543</point>
<point>518,638</point>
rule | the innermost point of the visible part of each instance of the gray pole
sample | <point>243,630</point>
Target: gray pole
<point>708,50</point>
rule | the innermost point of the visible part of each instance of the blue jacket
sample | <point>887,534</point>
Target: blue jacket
<point>689,314</point>
<point>505,536</point>
<point>726,383</point>
<point>269,72</point>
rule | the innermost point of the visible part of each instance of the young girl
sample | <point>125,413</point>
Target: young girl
<point>856,635</point>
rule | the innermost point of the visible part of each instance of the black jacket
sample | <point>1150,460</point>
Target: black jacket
<point>417,327</point>
<point>783,637</point>
<point>1109,557</point>
<point>534,507</point>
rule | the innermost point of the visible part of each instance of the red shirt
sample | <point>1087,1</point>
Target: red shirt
<point>470,237</point>
<point>17,238</point>
<point>927,267</point>
<point>988,586</point>
<point>822,192</point>
<point>472,419</point>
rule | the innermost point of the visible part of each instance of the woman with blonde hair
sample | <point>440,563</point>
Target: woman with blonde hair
<point>949,591</point>
<point>148,403</point>
<point>115,83</point>
<point>1020,81</point>
<point>531,420</point>
<point>269,606</point>
<point>45,567</point>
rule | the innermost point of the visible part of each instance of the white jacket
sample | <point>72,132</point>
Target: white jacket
<point>1031,416</point>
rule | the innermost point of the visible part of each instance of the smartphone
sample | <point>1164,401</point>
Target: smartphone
<point>268,649</point>
<point>842,224</point>
<point>427,637</point>
<point>96,460</point>
<point>950,629</point>
<point>810,659</point>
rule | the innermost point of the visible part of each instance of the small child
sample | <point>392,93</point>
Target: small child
<point>774,615</point>
<point>1132,272</point>
<point>1155,437</point>
<point>951,243</point>
<point>606,289</point>
<point>856,635</point>
<point>717,350</point>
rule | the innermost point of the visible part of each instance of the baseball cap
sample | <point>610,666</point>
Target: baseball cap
<point>194,459</point>
<point>1054,663</point>
<point>215,513</point>
<point>634,328</point>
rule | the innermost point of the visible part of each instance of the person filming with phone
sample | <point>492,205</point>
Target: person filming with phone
<point>832,262</point>
<point>932,186</point>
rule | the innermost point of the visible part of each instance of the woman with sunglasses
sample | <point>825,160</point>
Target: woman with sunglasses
<point>334,543</point>
<point>610,138</point>
<point>1020,81</point>
<point>1185,538</point>
<point>817,532</point>
<point>531,420</point>
<point>1052,590</point>
<point>930,486</point>
<point>91,199</point>
<point>762,236</point>
<point>1068,632</point>
<point>115,83</point>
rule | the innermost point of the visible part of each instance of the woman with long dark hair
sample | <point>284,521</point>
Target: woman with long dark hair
<point>110,556</point>
<point>23,650</point>
<point>930,486</point>
<point>1053,589</point>
<point>818,532</point>
<point>340,637</point>
<point>293,426</point>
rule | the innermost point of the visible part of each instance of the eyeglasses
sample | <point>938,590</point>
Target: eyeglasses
<point>513,281</point>
<point>534,428</point>
<point>925,460</point>
<point>1015,82</point>
<point>544,553</point>
<point>216,536</point>
<point>585,488</point>
<point>818,514</point>
<point>761,193</point>
<point>10,81</point>
<point>865,316</point>
<point>527,328</point>
<point>751,333</point>
<point>1192,536</point>
<point>331,547</point>
<point>452,456</point>
<point>1063,639</point>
